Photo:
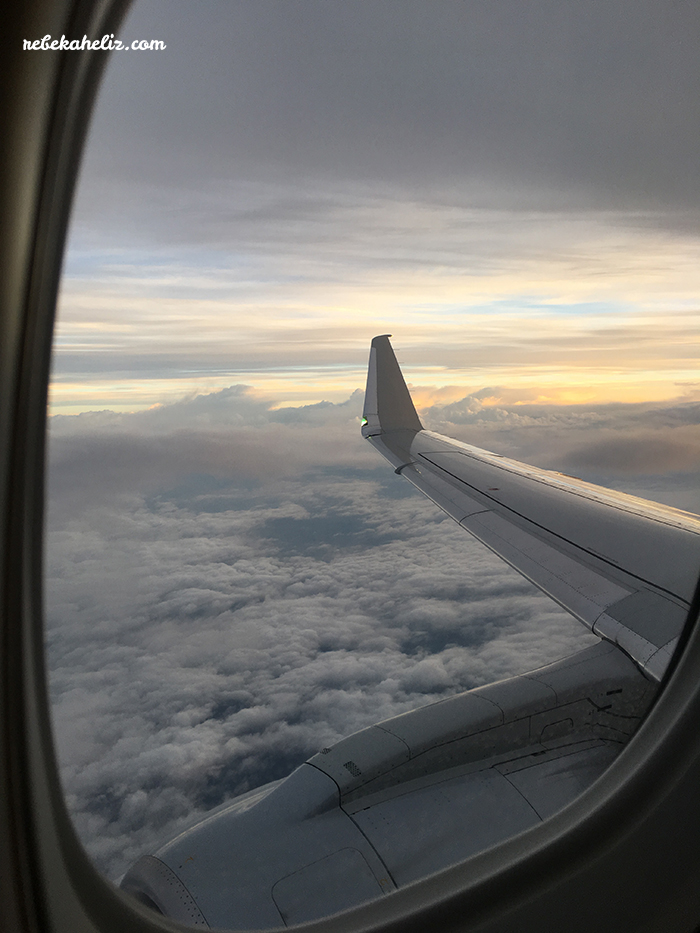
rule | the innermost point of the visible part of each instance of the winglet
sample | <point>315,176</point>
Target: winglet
<point>388,403</point>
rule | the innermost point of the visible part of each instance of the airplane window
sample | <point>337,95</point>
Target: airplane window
<point>271,658</point>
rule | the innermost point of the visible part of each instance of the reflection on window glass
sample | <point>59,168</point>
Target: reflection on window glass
<point>236,582</point>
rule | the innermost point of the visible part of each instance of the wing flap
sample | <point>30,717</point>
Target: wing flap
<point>583,591</point>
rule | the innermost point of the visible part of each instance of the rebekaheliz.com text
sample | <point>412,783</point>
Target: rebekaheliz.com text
<point>106,44</point>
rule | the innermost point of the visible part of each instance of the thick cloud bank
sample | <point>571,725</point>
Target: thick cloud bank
<point>232,587</point>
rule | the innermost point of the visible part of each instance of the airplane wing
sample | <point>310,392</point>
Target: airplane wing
<point>623,566</point>
<point>413,794</point>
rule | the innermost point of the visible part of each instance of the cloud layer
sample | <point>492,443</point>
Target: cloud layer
<point>230,587</point>
<point>579,101</point>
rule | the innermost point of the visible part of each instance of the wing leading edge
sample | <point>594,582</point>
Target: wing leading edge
<point>624,566</point>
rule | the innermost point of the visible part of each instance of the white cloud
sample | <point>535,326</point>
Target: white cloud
<point>206,633</point>
<point>231,587</point>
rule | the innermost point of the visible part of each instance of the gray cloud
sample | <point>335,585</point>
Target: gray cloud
<point>264,121</point>
<point>197,654</point>
<point>214,620</point>
<point>543,94</point>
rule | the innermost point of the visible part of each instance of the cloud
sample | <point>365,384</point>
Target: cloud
<point>586,300</point>
<point>645,452</point>
<point>232,586</point>
<point>590,104</point>
<point>211,625</point>
<point>195,655</point>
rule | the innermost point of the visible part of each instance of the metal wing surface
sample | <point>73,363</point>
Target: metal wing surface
<point>623,566</point>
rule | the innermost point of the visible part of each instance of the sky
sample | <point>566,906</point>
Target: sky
<point>511,189</point>
<point>233,580</point>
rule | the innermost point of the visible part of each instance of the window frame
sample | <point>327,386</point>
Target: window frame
<point>623,857</point>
